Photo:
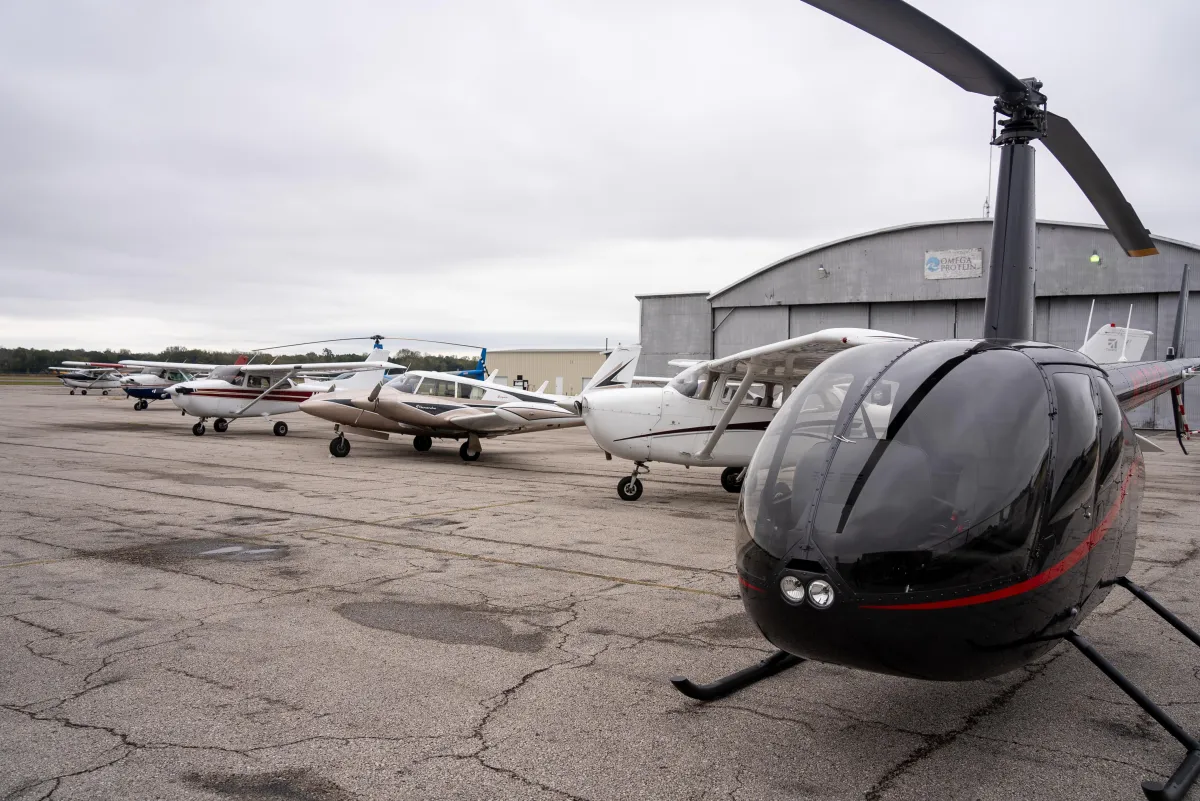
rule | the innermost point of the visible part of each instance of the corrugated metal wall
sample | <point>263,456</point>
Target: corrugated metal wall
<point>738,329</point>
<point>674,327</point>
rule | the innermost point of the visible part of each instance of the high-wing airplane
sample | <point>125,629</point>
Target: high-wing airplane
<point>259,390</point>
<point>83,376</point>
<point>426,405</point>
<point>713,414</point>
<point>974,525</point>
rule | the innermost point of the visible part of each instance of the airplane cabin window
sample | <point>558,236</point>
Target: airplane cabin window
<point>437,387</point>
<point>469,392</point>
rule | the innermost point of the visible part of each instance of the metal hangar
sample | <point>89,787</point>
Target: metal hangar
<point>928,280</point>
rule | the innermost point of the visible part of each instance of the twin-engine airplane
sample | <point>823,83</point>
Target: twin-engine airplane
<point>714,413</point>
<point>232,391</point>
<point>971,524</point>
<point>426,405</point>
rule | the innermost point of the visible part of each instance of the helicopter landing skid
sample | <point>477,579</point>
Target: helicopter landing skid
<point>1176,787</point>
<point>728,685</point>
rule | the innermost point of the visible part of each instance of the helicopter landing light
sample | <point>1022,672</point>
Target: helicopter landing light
<point>792,589</point>
<point>820,594</point>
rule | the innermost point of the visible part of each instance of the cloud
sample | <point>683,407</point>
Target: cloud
<point>229,173</point>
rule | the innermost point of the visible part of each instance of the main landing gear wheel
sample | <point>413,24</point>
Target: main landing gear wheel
<point>220,425</point>
<point>629,488</point>
<point>731,478</point>
<point>280,429</point>
<point>467,454</point>
<point>139,405</point>
<point>339,446</point>
<point>423,443</point>
<point>83,392</point>
<point>105,392</point>
<point>198,429</point>
<point>72,392</point>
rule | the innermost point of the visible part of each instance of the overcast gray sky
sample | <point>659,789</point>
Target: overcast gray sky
<point>513,173</point>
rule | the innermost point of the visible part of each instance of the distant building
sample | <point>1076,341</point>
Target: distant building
<point>929,280</point>
<point>566,370</point>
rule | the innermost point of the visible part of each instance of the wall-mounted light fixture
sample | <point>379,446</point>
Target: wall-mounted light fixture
<point>822,272</point>
<point>1095,258</point>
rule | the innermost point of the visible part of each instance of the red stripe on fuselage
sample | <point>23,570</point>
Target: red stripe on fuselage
<point>1045,577</point>
<point>290,396</point>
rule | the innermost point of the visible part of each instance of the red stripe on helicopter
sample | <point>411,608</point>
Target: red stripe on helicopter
<point>1045,577</point>
<point>748,585</point>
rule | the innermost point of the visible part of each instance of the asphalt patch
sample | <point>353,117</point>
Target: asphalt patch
<point>203,480</point>
<point>207,548</point>
<point>445,623</point>
<point>283,785</point>
<point>737,626</point>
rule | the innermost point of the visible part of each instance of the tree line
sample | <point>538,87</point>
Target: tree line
<point>36,360</point>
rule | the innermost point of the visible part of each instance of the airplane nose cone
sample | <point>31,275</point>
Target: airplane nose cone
<point>620,419</point>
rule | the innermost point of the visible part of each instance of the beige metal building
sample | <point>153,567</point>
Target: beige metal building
<point>565,370</point>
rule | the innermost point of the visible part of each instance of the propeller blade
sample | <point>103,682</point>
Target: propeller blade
<point>374,394</point>
<point>1082,164</point>
<point>926,40</point>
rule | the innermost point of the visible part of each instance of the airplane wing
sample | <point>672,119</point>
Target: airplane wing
<point>684,362</point>
<point>189,367</point>
<point>791,359</point>
<point>512,417</point>
<point>796,357</point>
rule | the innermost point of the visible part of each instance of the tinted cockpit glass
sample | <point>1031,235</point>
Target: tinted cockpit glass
<point>783,474</point>
<point>938,487</point>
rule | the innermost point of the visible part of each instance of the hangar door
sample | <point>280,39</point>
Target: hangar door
<point>931,319</point>
<point>748,327</point>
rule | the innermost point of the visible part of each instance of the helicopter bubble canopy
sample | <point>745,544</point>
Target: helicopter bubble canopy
<point>903,468</point>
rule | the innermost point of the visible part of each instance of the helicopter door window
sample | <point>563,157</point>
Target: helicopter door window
<point>1076,444</point>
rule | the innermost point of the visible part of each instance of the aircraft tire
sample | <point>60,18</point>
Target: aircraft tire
<point>339,446</point>
<point>145,404</point>
<point>198,429</point>
<point>137,406</point>
<point>422,442</point>
<point>83,392</point>
<point>629,488</point>
<point>467,454</point>
<point>729,479</point>
<point>280,429</point>
<point>220,425</point>
<point>105,392</point>
<point>72,392</point>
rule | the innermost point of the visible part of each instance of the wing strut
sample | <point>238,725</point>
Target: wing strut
<point>735,402</point>
<point>264,393</point>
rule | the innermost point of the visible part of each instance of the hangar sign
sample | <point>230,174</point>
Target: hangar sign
<point>965,263</point>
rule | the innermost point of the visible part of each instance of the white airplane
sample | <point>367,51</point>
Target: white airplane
<point>232,391</point>
<point>152,383</point>
<point>714,413</point>
<point>447,406</point>
<point>83,376</point>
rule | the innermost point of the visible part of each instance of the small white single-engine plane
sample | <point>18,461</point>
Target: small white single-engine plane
<point>83,376</point>
<point>151,384</point>
<point>714,413</point>
<point>428,404</point>
<point>231,391</point>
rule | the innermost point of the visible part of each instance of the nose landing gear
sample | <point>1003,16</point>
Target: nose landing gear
<point>198,429</point>
<point>630,487</point>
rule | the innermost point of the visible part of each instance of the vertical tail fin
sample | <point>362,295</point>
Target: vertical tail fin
<point>617,370</point>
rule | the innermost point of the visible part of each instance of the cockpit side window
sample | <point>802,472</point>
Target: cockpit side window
<point>406,383</point>
<point>690,382</point>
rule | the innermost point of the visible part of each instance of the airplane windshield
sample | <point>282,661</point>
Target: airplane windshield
<point>689,382</point>
<point>405,383</point>
<point>912,473</point>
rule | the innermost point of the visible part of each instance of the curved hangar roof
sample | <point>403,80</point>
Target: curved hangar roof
<point>894,264</point>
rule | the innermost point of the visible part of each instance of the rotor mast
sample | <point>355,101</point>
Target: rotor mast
<point>1008,307</point>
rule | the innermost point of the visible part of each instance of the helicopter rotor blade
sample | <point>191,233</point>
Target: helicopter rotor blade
<point>926,40</point>
<point>1085,167</point>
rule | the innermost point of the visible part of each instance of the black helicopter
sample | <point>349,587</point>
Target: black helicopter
<point>952,510</point>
